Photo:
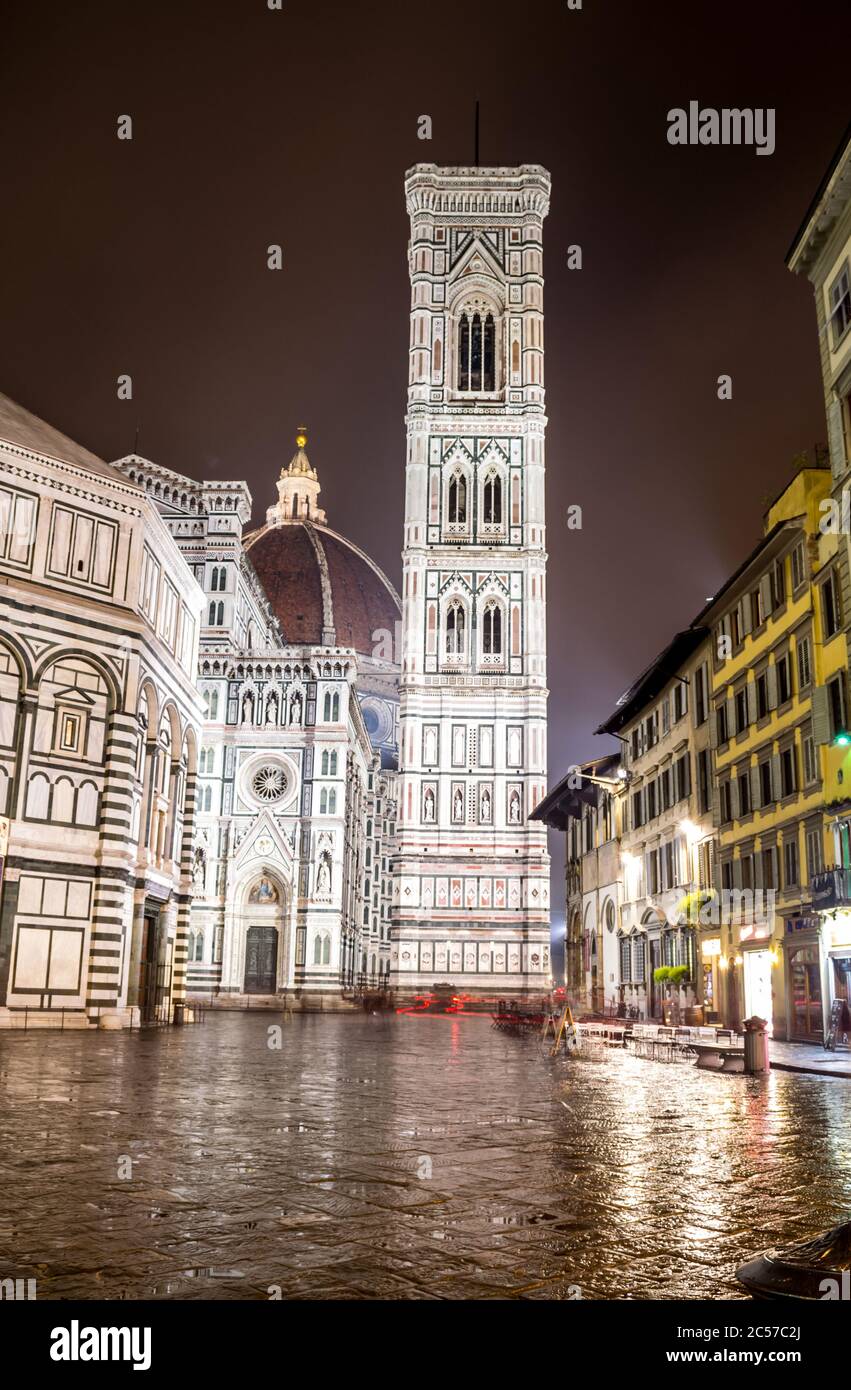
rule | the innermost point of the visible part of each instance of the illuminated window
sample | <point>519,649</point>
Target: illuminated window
<point>476,352</point>
<point>458,498</point>
<point>456,623</point>
<point>492,500</point>
<point>492,631</point>
<point>70,729</point>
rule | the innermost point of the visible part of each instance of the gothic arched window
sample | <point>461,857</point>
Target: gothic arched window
<point>476,352</point>
<point>492,630</point>
<point>323,802</point>
<point>456,625</point>
<point>326,708</point>
<point>336,709</point>
<point>333,764</point>
<point>325,763</point>
<point>492,499</point>
<point>458,498</point>
<point>332,802</point>
<point>295,504</point>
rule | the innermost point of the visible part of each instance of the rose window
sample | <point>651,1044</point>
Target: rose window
<point>269,783</point>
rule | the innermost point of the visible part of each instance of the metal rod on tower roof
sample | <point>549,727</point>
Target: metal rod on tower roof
<point>136,440</point>
<point>477,132</point>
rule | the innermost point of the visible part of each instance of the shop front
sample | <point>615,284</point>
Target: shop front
<point>836,945</point>
<point>757,961</point>
<point>710,981</point>
<point>832,902</point>
<point>805,992</point>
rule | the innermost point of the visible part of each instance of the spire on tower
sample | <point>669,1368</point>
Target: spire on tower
<point>299,464</point>
<point>298,488</point>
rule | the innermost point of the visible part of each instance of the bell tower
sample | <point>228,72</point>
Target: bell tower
<point>471,888</point>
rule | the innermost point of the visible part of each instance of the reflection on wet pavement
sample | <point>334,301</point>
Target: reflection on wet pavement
<point>397,1157</point>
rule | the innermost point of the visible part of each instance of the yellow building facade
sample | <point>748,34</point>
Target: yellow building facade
<point>779,697</point>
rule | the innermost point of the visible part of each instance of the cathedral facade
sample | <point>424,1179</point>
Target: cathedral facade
<point>198,734</point>
<point>295,815</point>
<point>471,892</point>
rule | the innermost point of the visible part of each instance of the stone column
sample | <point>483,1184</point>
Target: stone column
<point>27,706</point>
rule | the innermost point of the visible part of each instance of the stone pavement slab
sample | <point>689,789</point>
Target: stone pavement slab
<point>411,1158</point>
<point>810,1057</point>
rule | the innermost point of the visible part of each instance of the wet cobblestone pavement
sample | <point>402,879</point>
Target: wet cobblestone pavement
<point>397,1157</point>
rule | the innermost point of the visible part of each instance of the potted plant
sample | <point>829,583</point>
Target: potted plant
<point>677,979</point>
<point>671,978</point>
<point>661,976</point>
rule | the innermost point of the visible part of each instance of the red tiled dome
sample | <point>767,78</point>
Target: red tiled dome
<point>319,583</point>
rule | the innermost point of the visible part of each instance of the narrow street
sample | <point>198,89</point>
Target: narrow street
<point>397,1157</point>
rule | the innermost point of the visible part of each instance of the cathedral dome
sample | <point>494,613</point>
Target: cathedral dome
<point>324,590</point>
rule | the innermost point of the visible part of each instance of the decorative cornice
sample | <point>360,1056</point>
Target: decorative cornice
<point>41,477</point>
<point>471,196</point>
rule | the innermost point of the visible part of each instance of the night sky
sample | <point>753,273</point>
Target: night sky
<point>296,127</point>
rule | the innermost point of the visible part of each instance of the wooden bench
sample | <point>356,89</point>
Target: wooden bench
<point>719,1056</point>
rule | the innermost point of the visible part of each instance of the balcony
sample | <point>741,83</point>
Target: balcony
<point>831,888</point>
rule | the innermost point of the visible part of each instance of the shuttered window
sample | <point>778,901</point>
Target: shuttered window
<point>830,607</point>
<point>804,663</point>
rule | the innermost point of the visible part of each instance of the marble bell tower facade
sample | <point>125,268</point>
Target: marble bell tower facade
<point>471,882</point>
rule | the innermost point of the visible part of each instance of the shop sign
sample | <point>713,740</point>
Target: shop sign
<point>840,929</point>
<point>796,924</point>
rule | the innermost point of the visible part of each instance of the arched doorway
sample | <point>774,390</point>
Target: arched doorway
<point>263,906</point>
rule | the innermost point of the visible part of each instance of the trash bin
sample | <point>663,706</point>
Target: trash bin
<point>179,1011</point>
<point>756,1046</point>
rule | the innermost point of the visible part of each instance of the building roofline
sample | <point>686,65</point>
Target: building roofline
<point>793,524</point>
<point>801,235</point>
<point>815,467</point>
<point>654,677</point>
<point>564,801</point>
